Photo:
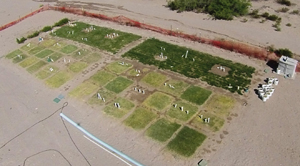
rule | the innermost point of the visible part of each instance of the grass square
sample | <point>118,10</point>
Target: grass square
<point>55,56</point>
<point>179,87</point>
<point>14,54</point>
<point>44,53</point>
<point>182,115</point>
<point>186,142</point>
<point>68,49</point>
<point>58,79</point>
<point>140,118</point>
<point>158,101</point>
<point>94,57</point>
<point>196,95</point>
<point>28,46</point>
<point>45,72</point>
<point>58,46</point>
<point>154,79</point>
<point>106,94</point>
<point>77,66</point>
<point>36,50</point>
<point>36,66</point>
<point>220,105</point>
<point>215,123</point>
<point>28,62</point>
<point>118,68</point>
<point>79,54</point>
<point>119,84</point>
<point>48,42</point>
<point>19,59</point>
<point>162,130</point>
<point>102,77</point>
<point>84,89</point>
<point>125,107</point>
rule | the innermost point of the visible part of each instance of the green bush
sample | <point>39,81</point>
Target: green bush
<point>35,34</point>
<point>61,22</point>
<point>284,2</point>
<point>46,29</point>
<point>265,15</point>
<point>295,12</point>
<point>22,40</point>
<point>288,24</point>
<point>284,52</point>
<point>273,17</point>
<point>254,14</point>
<point>284,10</point>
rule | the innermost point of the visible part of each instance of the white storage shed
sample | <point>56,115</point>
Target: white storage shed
<point>287,66</point>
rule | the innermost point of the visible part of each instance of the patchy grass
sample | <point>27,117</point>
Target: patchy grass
<point>106,94</point>
<point>162,130</point>
<point>140,118</point>
<point>36,66</point>
<point>36,50</point>
<point>77,66</point>
<point>179,87</point>
<point>102,77</point>
<point>125,107</point>
<point>28,46</point>
<point>132,72</point>
<point>28,62</point>
<point>19,59</point>
<point>79,54</point>
<point>182,115</point>
<point>158,101</point>
<point>119,84</point>
<point>48,42</point>
<point>196,95</point>
<point>186,142</point>
<point>68,49</point>
<point>118,68</point>
<point>94,57</point>
<point>215,123</point>
<point>58,79</point>
<point>220,105</point>
<point>154,79</point>
<point>58,46</point>
<point>44,53</point>
<point>13,54</point>
<point>55,56</point>
<point>45,72</point>
<point>97,38</point>
<point>83,90</point>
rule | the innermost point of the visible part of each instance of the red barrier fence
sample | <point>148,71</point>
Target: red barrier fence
<point>249,50</point>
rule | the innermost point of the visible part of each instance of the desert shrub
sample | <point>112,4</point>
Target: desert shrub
<point>244,20</point>
<point>254,14</point>
<point>283,10</point>
<point>46,29</point>
<point>35,34</point>
<point>262,21</point>
<point>265,15</point>
<point>284,52</point>
<point>61,22</point>
<point>271,48</point>
<point>284,2</point>
<point>288,24</point>
<point>294,12</point>
<point>21,40</point>
<point>272,17</point>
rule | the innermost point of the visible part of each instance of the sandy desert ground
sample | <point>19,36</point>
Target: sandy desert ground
<point>258,134</point>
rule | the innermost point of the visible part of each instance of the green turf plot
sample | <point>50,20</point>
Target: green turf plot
<point>154,79</point>
<point>179,87</point>
<point>119,84</point>
<point>91,58</point>
<point>196,95</point>
<point>186,142</point>
<point>79,54</point>
<point>36,66</point>
<point>58,46</point>
<point>140,118</point>
<point>28,62</point>
<point>84,89</point>
<point>215,123</point>
<point>102,77</point>
<point>14,54</point>
<point>68,49</point>
<point>158,101</point>
<point>97,37</point>
<point>220,105</point>
<point>106,94</point>
<point>44,53</point>
<point>28,46</point>
<point>58,79</point>
<point>55,56</point>
<point>117,67</point>
<point>132,72</point>
<point>48,42</point>
<point>162,130</point>
<point>45,72</point>
<point>77,66</point>
<point>125,107</point>
<point>19,59</point>
<point>36,50</point>
<point>181,113</point>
